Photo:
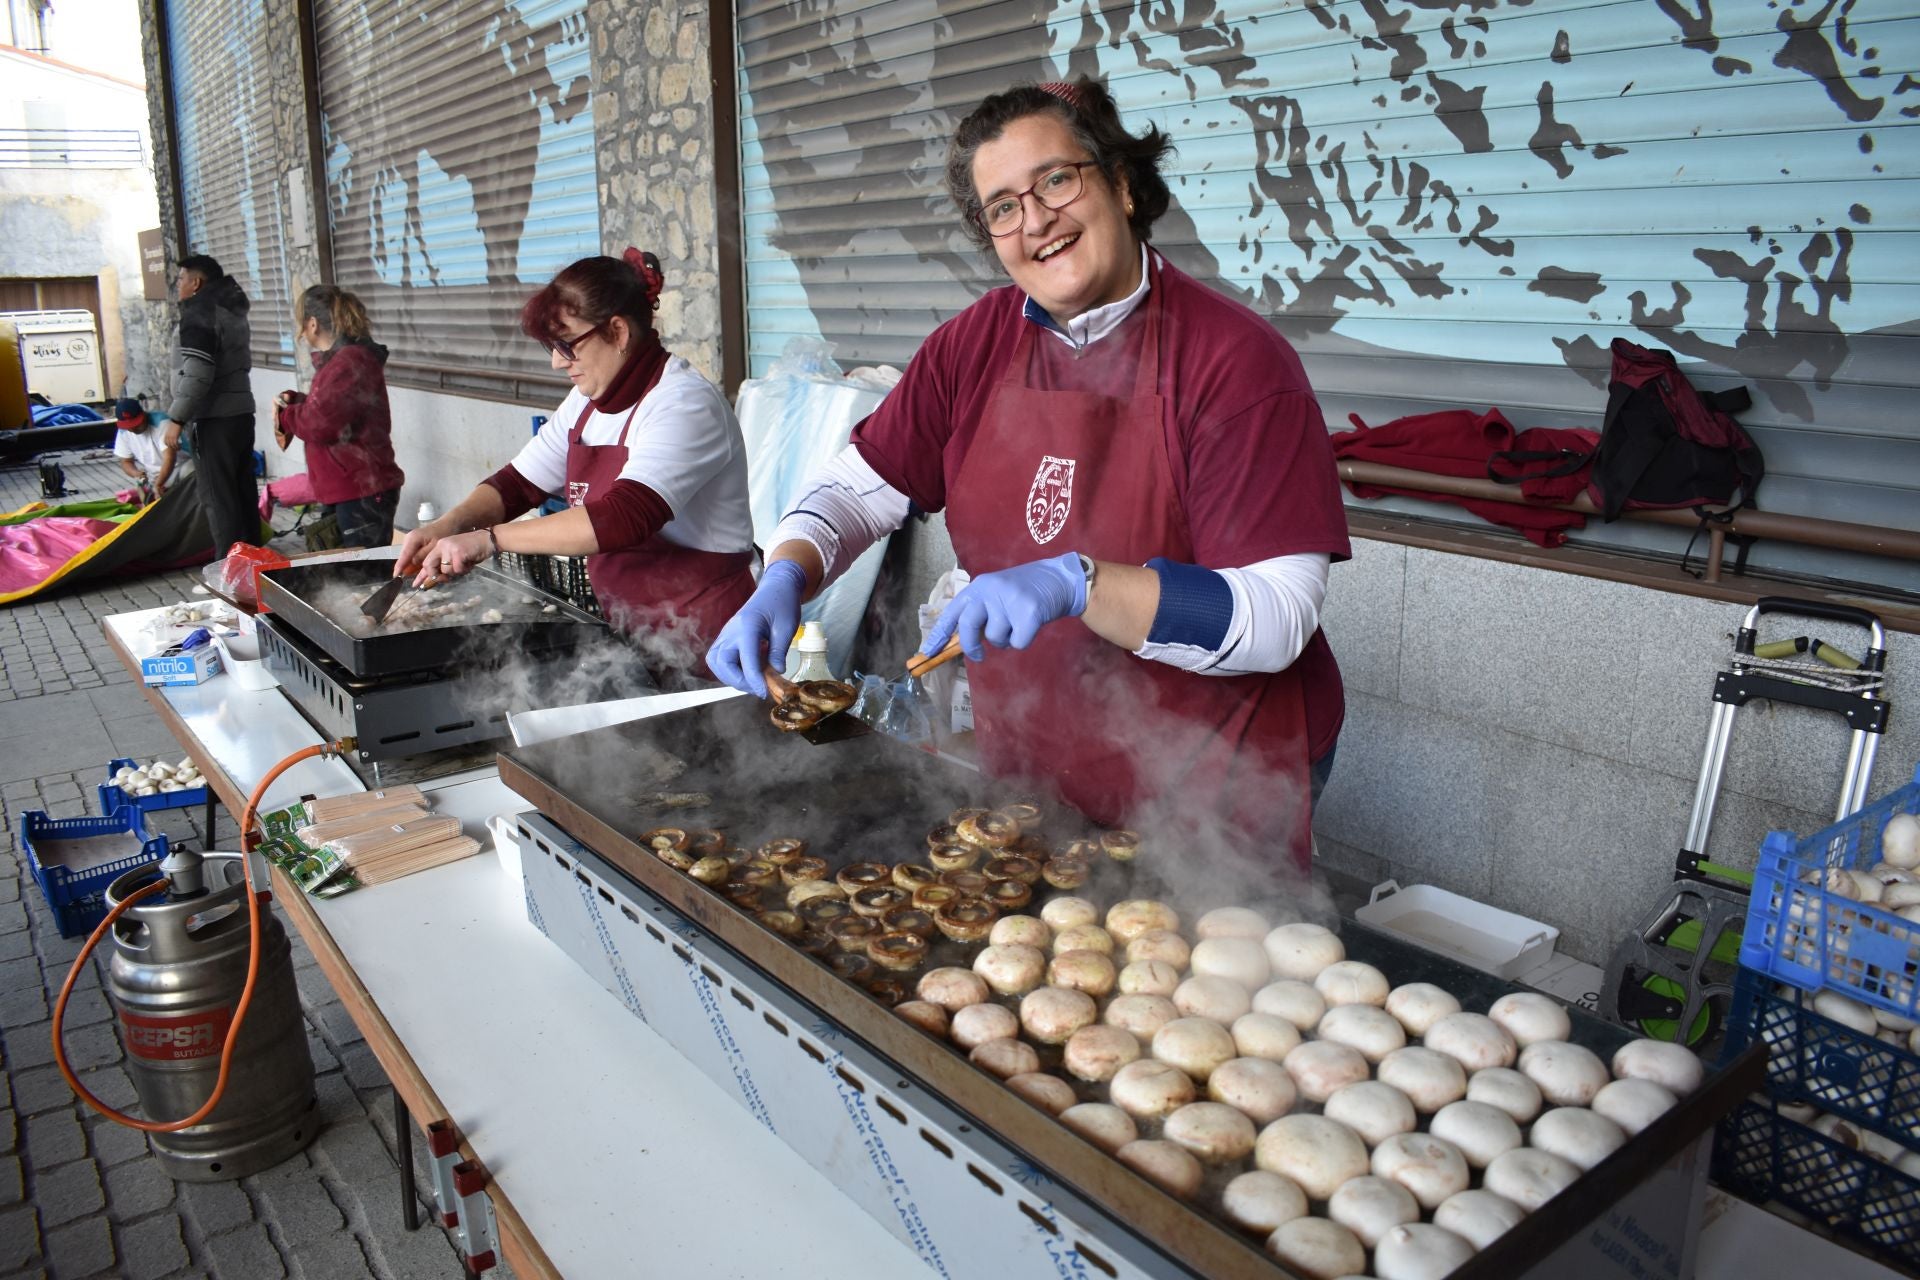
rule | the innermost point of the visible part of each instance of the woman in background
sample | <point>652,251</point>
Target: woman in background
<point>647,454</point>
<point>344,421</point>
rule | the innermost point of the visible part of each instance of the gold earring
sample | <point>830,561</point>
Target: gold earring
<point>1129,208</point>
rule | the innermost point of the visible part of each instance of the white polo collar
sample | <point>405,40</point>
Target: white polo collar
<point>1083,330</point>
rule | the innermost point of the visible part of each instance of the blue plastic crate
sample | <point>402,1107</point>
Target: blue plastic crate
<point>1873,1083</point>
<point>112,798</point>
<point>1803,934</point>
<point>1761,1155</point>
<point>79,899</point>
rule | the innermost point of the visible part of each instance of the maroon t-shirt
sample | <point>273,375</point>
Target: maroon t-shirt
<point>1252,463</point>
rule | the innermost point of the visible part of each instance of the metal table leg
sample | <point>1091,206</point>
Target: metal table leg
<point>207,830</point>
<point>403,1139</point>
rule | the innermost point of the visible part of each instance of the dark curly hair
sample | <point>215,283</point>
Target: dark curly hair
<point>1088,110</point>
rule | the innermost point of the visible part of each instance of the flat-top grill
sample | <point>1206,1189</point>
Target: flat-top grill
<point>403,691</point>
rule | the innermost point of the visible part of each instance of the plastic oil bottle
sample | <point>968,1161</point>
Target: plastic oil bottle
<point>808,660</point>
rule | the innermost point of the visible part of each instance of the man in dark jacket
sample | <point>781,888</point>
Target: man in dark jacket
<point>213,395</point>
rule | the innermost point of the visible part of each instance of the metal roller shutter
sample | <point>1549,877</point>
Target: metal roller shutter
<point>222,72</point>
<point>1440,205</point>
<point>460,175</point>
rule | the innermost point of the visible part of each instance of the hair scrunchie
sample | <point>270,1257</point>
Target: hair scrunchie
<point>1067,93</point>
<point>647,267</point>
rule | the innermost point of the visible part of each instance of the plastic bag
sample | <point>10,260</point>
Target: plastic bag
<point>947,687</point>
<point>237,577</point>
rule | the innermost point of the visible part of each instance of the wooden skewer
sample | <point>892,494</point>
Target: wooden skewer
<point>918,665</point>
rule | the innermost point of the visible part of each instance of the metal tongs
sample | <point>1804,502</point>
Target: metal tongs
<point>894,708</point>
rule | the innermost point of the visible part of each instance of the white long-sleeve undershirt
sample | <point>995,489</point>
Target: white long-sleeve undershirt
<point>1276,603</point>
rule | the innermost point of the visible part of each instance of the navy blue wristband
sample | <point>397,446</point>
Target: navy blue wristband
<point>1196,606</point>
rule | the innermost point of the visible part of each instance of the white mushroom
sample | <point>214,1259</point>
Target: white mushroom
<point>1143,1015</point>
<point>1374,1032</point>
<point>1473,1040</point>
<point>1232,922</point>
<point>1128,920</point>
<point>952,988</point>
<point>1166,1165</point>
<point>1066,911</point>
<point>1083,937</point>
<point>1530,1017</point>
<point>1370,1207</point>
<point>1149,977</point>
<point>1672,1066</point>
<point>1261,1035</point>
<point>1049,1093</point>
<point>1241,961</point>
<point>1633,1104</point>
<point>1429,1078</point>
<point>1021,931</point>
<point>1418,1005</point>
<point>1314,1151</point>
<point>1088,971</point>
<point>1052,1014</point>
<point>929,1017</point>
<point>1259,1087</point>
<point>1196,1045</point>
<point>1507,1089</point>
<point>1529,1177</point>
<point>1103,1124</point>
<point>1321,1068</point>
<point>1901,894</point>
<point>1431,1168</point>
<point>1300,951</point>
<point>1482,1131</point>
<point>1568,1074</point>
<point>1215,1132</point>
<point>1163,945</point>
<point>1352,982</point>
<point>1293,1000</point>
<point>1318,1249</point>
<point>1900,841</point>
<point>1095,1053</point>
<point>1373,1110</point>
<point>1013,969</point>
<point>1420,1251</point>
<point>1149,1089</point>
<point>1478,1217</point>
<point>1576,1134</point>
<point>1005,1058</point>
<point>1261,1201</point>
<point>976,1024</point>
<point>1220,999</point>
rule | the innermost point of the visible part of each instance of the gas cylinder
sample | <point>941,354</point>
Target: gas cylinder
<point>179,964</point>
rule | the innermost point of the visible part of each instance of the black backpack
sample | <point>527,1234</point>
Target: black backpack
<point>1665,445</point>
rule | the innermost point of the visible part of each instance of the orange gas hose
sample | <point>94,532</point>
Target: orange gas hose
<point>247,843</point>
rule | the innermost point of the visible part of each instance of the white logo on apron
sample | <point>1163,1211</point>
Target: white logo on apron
<point>576,493</point>
<point>1050,499</point>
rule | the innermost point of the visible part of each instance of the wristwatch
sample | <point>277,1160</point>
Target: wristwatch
<point>1088,567</point>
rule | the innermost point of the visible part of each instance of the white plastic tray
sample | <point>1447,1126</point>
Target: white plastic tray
<point>1500,942</point>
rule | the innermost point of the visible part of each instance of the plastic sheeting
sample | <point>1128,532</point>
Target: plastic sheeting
<point>42,546</point>
<point>33,549</point>
<point>795,421</point>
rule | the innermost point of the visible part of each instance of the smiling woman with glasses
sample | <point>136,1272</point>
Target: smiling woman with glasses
<point>649,458</point>
<point>1112,441</point>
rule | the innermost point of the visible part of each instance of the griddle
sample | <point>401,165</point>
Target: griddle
<point>723,766</point>
<point>290,592</point>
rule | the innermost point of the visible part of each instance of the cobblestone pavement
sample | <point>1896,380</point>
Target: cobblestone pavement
<point>80,1196</point>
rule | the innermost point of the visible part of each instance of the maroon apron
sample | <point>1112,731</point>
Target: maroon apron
<point>1203,763</point>
<point>656,586</point>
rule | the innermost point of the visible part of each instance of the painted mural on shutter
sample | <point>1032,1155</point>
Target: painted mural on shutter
<point>1441,204</point>
<point>460,171</point>
<point>223,74</point>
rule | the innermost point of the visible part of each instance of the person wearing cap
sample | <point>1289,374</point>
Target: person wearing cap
<point>146,449</point>
<point>648,456</point>
<point>1137,477</point>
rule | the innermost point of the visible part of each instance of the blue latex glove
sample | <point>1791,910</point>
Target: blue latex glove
<point>761,631</point>
<point>1007,609</point>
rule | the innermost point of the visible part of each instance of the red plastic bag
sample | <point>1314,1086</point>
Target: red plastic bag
<point>238,576</point>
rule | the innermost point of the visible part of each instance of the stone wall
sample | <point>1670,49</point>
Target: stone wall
<point>653,118</point>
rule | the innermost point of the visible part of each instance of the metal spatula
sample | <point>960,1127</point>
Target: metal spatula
<point>380,603</point>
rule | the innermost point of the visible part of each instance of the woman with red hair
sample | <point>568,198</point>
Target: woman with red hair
<point>646,453</point>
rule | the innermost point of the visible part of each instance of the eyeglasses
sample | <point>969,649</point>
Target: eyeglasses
<point>569,348</point>
<point>1056,189</point>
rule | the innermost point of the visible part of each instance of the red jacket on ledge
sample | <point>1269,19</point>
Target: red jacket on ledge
<point>346,425</point>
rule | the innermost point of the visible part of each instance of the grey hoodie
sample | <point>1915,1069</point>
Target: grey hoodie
<point>212,362</point>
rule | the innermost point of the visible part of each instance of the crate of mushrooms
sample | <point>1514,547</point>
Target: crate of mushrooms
<point>160,785</point>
